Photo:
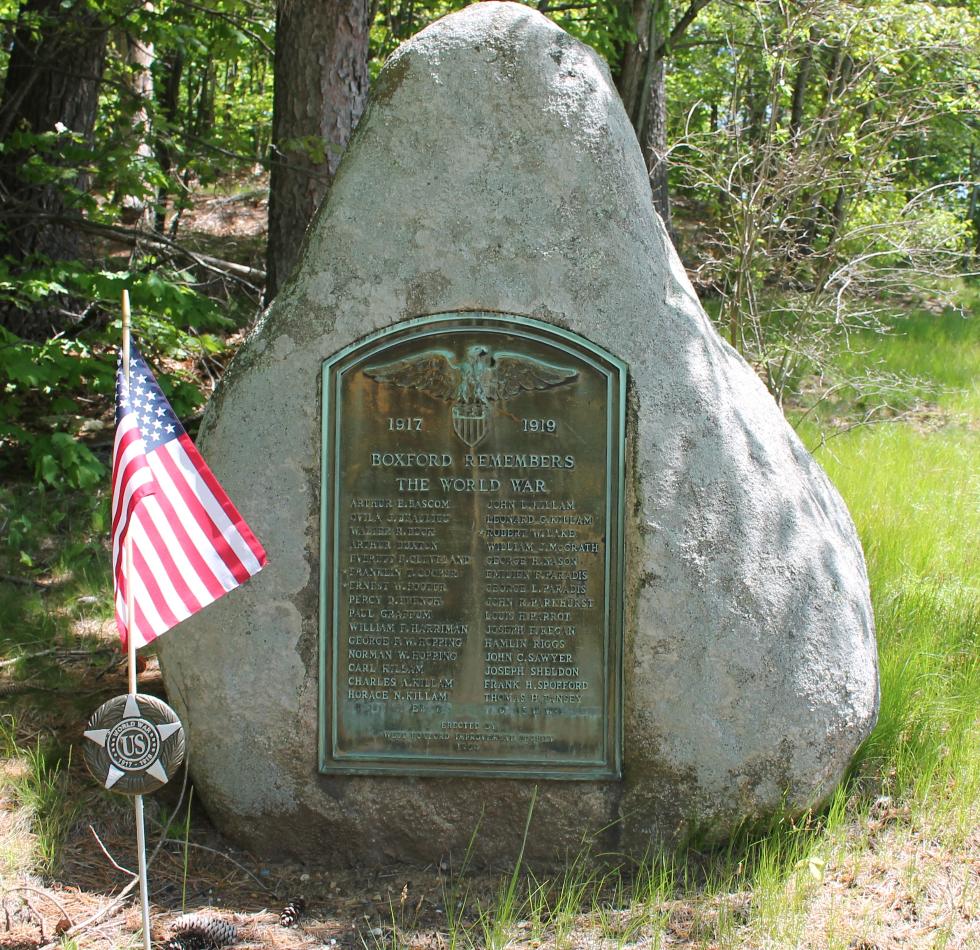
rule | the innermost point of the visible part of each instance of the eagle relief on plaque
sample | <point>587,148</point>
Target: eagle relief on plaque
<point>471,557</point>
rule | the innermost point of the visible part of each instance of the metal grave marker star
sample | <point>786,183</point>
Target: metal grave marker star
<point>135,744</point>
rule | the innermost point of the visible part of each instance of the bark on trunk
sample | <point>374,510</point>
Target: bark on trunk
<point>655,143</point>
<point>166,151</point>
<point>139,54</point>
<point>800,85</point>
<point>641,85</point>
<point>633,69</point>
<point>321,81</point>
<point>204,117</point>
<point>52,85</point>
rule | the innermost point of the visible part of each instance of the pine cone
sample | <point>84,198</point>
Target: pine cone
<point>187,943</point>
<point>292,912</point>
<point>201,932</point>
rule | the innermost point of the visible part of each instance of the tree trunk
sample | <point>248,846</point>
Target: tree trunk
<point>204,120</point>
<point>629,82</point>
<point>321,81</point>
<point>800,85</point>
<point>655,142</point>
<point>51,86</point>
<point>641,85</point>
<point>138,53</point>
<point>166,151</point>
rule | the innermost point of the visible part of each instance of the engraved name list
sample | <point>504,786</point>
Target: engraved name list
<point>471,552</point>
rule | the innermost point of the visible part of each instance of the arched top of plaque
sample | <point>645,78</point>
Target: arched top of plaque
<point>482,322</point>
<point>471,561</point>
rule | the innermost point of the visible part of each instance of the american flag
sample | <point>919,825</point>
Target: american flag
<point>189,543</point>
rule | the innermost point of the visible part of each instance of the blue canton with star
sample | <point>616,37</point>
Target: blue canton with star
<point>146,400</point>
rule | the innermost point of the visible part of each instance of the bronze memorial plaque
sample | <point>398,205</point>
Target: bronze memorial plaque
<point>471,563</point>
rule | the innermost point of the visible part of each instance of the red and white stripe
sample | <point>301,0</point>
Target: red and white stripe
<point>189,543</point>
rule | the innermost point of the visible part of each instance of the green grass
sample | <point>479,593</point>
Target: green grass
<point>35,779</point>
<point>54,582</point>
<point>914,495</point>
<point>936,353</point>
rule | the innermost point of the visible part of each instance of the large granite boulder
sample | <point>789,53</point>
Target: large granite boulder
<point>496,170</point>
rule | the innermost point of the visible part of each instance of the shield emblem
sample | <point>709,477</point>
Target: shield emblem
<point>470,423</point>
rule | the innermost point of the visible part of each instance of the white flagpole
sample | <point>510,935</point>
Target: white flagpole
<point>131,657</point>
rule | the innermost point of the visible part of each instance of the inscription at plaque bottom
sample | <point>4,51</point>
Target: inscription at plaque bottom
<point>471,558</point>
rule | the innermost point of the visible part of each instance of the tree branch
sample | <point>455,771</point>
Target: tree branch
<point>545,7</point>
<point>680,27</point>
<point>236,21</point>
<point>134,237</point>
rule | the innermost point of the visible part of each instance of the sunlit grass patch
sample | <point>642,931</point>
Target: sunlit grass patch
<point>927,739</point>
<point>920,367</point>
<point>915,499</point>
<point>33,788</point>
<point>939,351</point>
<point>54,580</point>
<point>16,843</point>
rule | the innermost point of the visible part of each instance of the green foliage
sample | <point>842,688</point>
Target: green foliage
<point>45,535</point>
<point>604,26</point>
<point>54,158</point>
<point>58,394</point>
<point>823,150</point>
<point>38,412</point>
<point>56,414</point>
<point>211,106</point>
<point>823,163</point>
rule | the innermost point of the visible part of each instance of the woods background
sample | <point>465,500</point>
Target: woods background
<point>817,163</point>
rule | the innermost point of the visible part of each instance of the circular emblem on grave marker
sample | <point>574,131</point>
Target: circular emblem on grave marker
<point>135,743</point>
